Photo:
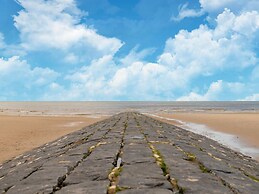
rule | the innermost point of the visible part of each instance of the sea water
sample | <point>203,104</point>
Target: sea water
<point>110,108</point>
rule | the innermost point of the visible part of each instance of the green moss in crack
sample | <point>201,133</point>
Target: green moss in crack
<point>204,169</point>
<point>164,168</point>
<point>118,189</point>
<point>252,177</point>
<point>86,155</point>
<point>191,157</point>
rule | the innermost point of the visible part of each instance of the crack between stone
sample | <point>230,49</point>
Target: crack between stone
<point>192,158</point>
<point>32,172</point>
<point>61,179</point>
<point>115,172</point>
<point>176,188</point>
<point>8,188</point>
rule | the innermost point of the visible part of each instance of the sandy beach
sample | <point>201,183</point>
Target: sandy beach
<point>23,133</point>
<point>244,126</point>
<point>154,155</point>
<point>26,125</point>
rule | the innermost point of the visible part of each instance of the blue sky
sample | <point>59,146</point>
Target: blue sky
<point>129,50</point>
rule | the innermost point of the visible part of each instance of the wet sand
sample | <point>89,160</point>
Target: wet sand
<point>236,130</point>
<point>23,133</point>
<point>243,125</point>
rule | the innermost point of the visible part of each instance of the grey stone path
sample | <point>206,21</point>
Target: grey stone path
<point>131,153</point>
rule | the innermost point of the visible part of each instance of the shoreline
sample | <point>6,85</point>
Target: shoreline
<point>28,136</point>
<point>234,141</point>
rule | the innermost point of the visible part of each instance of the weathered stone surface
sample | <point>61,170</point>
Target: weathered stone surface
<point>131,153</point>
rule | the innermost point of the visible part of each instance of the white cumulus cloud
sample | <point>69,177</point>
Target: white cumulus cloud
<point>237,6</point>
<point>200,53</point>
<point>143,80</point>
<point>254,97</point>
<point>215,7</point>
<point>185,12</point>
<point>217,90</point>
<point>17,75</point>
<point>55,24</point>
<point>135,55</point>
<point>204,51</point>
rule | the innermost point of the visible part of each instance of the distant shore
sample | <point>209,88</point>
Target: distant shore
<point>237,130</point>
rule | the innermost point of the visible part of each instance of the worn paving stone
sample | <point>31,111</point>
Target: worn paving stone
<point>226,167</point>
<point>92,173</point>
<point>86,187</point>
<point>149,191</point>
<point>136,154</point>
<point>141,176</point>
